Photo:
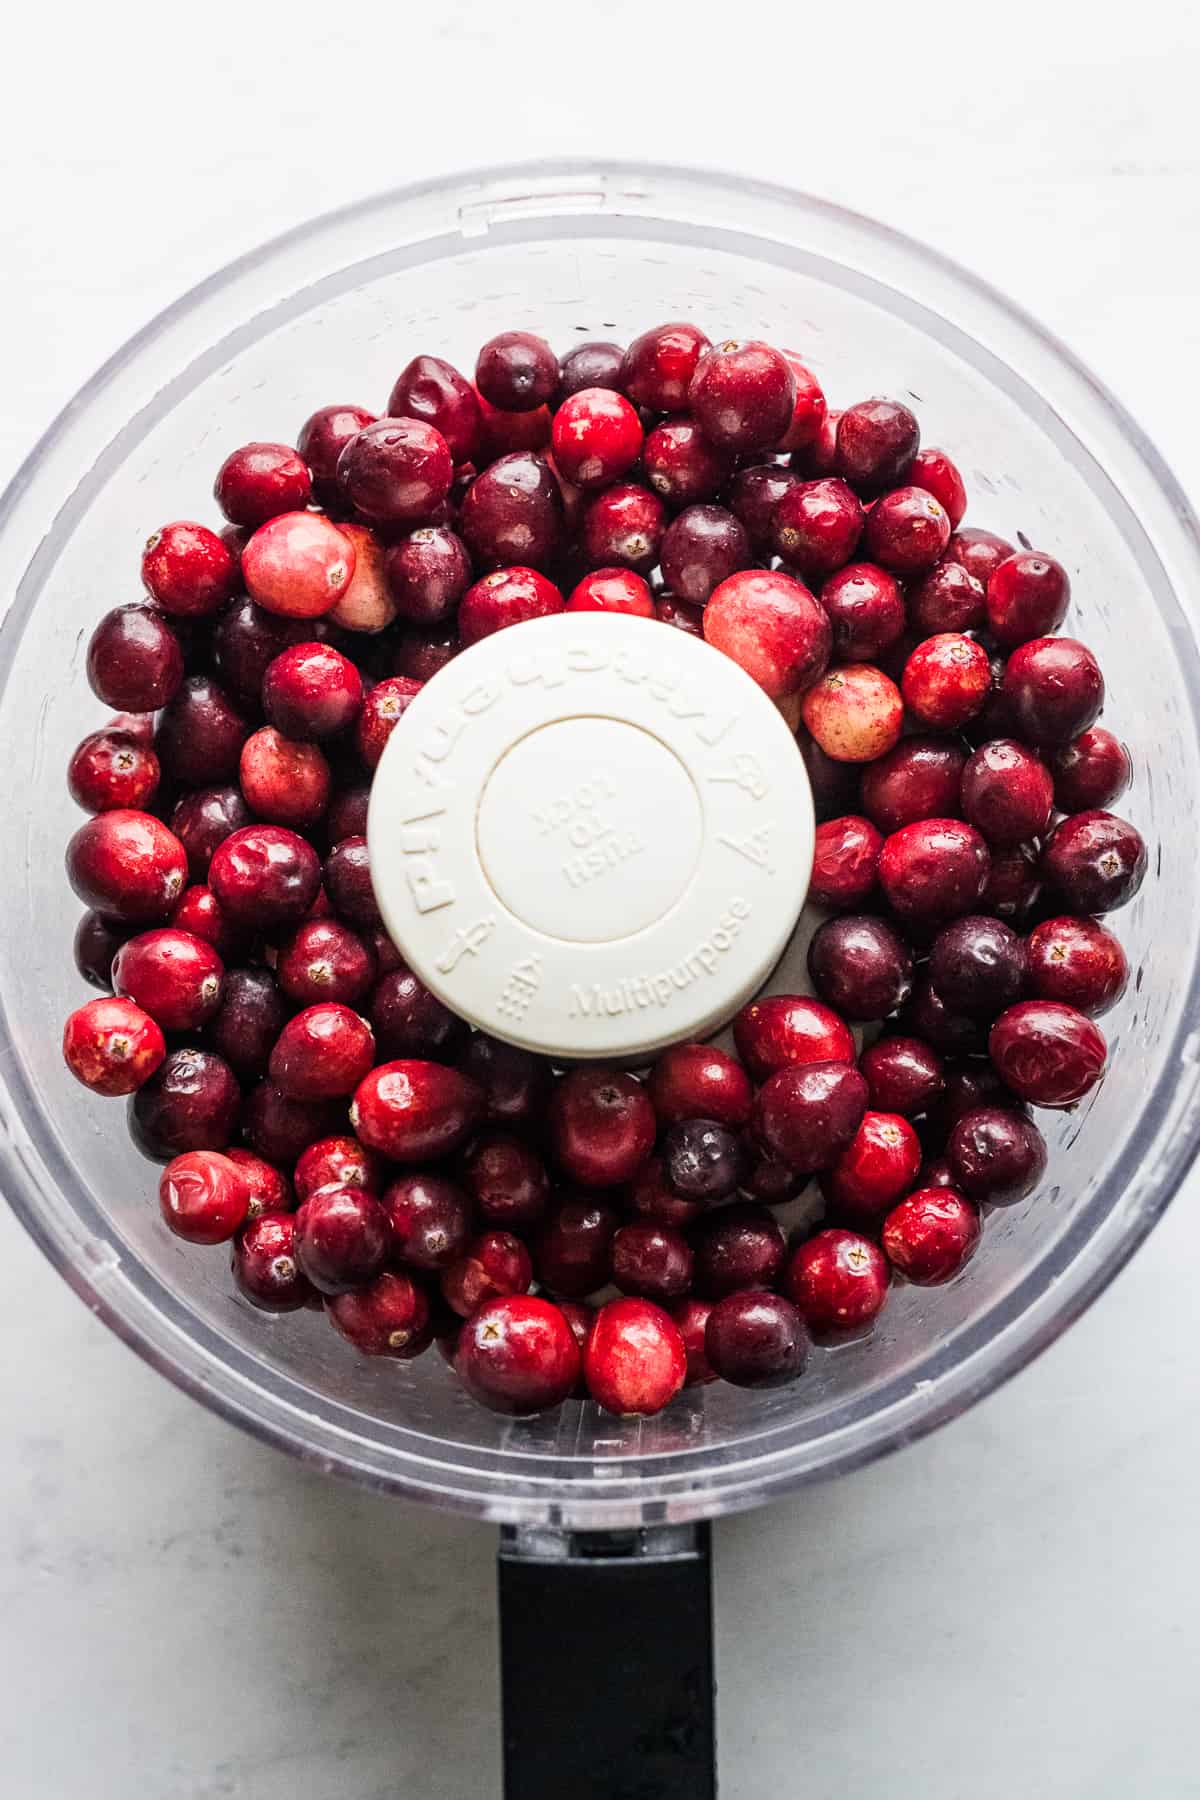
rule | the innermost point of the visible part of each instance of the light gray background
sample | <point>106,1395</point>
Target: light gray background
<point>1008,1608</point>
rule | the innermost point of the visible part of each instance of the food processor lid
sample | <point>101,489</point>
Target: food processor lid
<point>591,836</point>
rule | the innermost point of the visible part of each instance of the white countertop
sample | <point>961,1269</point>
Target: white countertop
<point>1009,1607</point>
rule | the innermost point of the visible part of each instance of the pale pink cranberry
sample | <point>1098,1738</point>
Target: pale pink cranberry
<point>855,713</point>
<point>298,564</point>
<point>612,591</point>
<point>946,680</point>
<point>635,1362</point>
<point>188,570</point>
<point>838,1281</point>
<point>770,625</point>
<point>284,782</point>
<point>112,1046</point>
<point>204,1197</point>
<point>506,597</point>
<point>782,1029</point>
<point>931,1235</point>
<point>367,603</point>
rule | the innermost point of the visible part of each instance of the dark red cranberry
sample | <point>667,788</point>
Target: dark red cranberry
<point>506,597</point>
<point>601,1126</point>
<point>269,1189</point>
<point>934,869</point>
<point>703,1160</point>
<point>756,1340</point>
<point>931,1235</point>
<point>978,965</point>
<point>866,610</point>
<point>860,966</point>
<point>936,1174</point>
<point>735,1248</point>
<point>1094,860</point>
<point>771,626</point>
<point>382,709</point>
<point>947,599</point>
<point>876,443</point>
<point>807,1113</point>
<point>518,1355</point>
<point>879,1164</point>
<point>782,1029</point>
<point>250,1018</point>
<point>337,1162</point>
<point>430,1221</point>
<point>679,615</point>
<point>698,1081</point>
<point>323,1053</point>
<point>934,471</point>
<point>201,733</point>
<point>658,366</point>
<point>1091,771</point>
<point>347,876</point>
<point>597,437</point>
<point>415,1111</point>
<point>388,1317</point>
<point>190,1103</point>
<point>265,877</point>
<point>691,1317</point>
<point>507,1180</point>
<point>903,1075</point>
<point>635,1361</point>
<point>969,1085</point>
<point>1078,962</point>
<point>680,464</point>
<point>700,549</point>
<point>311,691</point>
<point>260,481</point>
<point>651,1196</point>
<point>591,365</point>
<point>111,769</point>
<point>1013,886</point>
<point>837,1280</point>
<point>324,960</point>
<point>927,1016</point>
<point>816,526</point>
<point>247,640</point>
<point>421,652</point>
<point>742,395</point>
<point>845,861</point>
<point>612,591</point>
<point>397,471</point>
<point>410,1021</point>
<point>134,660</point>
<point>1027,597</point>
<point>347,815</point>
<point>428,573</point>
<point>979,552</point>
<point>996,1154</point>
<point>1048,1053</point>
<point>946,680</point>
<point>817,459</point>
<point>172,975</point>
<point>808,409</point>
<point>572,1251</point>
<point>341,1238</point>
<point>652,1260</point>
<point>516,371</point>
<point>203,819</point>
<point>919,779</point>
<point>1054,688</point>
<point>188,569</point>
<point>204,1198</point>
<point>434,392</point>
<point>907,531</point>
<point>281,1129</point>
<point>265,1266</point>
<point>771,1181</point>
<point>323,437</point>
<point>754,493</point>
<point>127,865</point>
<point>515,1083</point>
<point>623,526</point>
<point>855,712</point>
<point>1007,792</point>
<point>97,941</point>
<point>112,1046</point>
<point>492,1266</point>
<point>512,514</point>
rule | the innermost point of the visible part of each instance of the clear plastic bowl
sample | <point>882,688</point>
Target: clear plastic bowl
<point>331,312</point>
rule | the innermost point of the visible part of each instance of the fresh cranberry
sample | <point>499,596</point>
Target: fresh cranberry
<point>754,493</point>
<point>324,960</point>
<point>260,481</point>
<point>298,565</point>
<point>782,1029</point>
<point>507,1180</point>
<point>572,1250</point>
<point>410,1021</point>
<point>770,625</point>
<point>735,1248</point>
<point>771,1181</point>
<point>969,1085</point>
<point>866,610</point>
<point>512,513</point>
<point>1078,962</point>
<point>601,1125</point>
<point>978,965</point>
<point>845,861</point>
<point>1007,792</point>
<point>680,464</point>
<point>807,1113</point>
<point>703,1160</point>
<point>592,365</point>
<point>365,605</point>
<point>397,471</point>
<point>816,526</point>
<point>808,408</point>
<point>110,770</point>
<point>190,1103</point>
<point>388,1317</point>
<point>946,680</point>
<point>919,779</point>
<point>247,639</point>
<point>635,1361</point>
<point>347,874</point>
<point>428,573</point>
<point>979,552</point>
<point>927,1016</point>
<point>934,471</point>
<point>436,393</point>
<point>281,1129</point>
<point>1027,597</point>
<point>96,943</point>
<point>515,1083</point>
<point>127,865</point>
<point>414,1111</point>
<point>506,432</point>
<point>679,615</point>
<point>855,713</point>
<point>623,526</point>
<point>200,734</point>
<point>756,1340</point>
<point>324,1052</point>
<point>1054,688</point>
<point>265,876</point>
<point>947,599</point>
<point>907,531</point>
<point>658,366</point>
<point>250,1018</point>
<point>337,1162</point>
<point>382,710</point>
<point>879,1164</point>
<point>421,651</point>
<point>934,869</point>
<point>742,395</point>
<point>860,965</point>
<point>651,1260</point>
<point>112,1046</point>
<point>268,1188</point>
<point>698,1081</point>
<point>134,660</point>
<point>597,437</point>
<point>347,815</point>
<point>518,1355</point>
<point>612,591</point>
<point>996,1154</point>
<point>323,437</point>
<point>937,1173</point>
<point>506,597</point>
<point>341,1238</point>
<point>494,1265</point>
<point>1091,771</point>
<point>204,1197</point>
<point>1048,1053</point>
<point>818,459</point>
<point>931,1235</point>
<point>876,443</point>
<point>265,1266</point>
<point>837,1280</point>
<point>903,1075</point>
<point>203,819</point>
<point>173,976</point>
<point>1094,860</point>
<point>1014,886</point>
<point>188,570</point>
<point>430,1221</point>
<point>652,1197</point>
<point>284,782</point>
<point>516,371</point>
<point>311,691</point>
<point>691,1318</point>
<point>702,547</point>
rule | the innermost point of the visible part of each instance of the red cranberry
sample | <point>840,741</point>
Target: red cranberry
<point>931,1235</point>
<point>188,569</point>
<point>927,1016</point>
<point>614,591</point>
<point>818,458</point>
<point>754,493</point>
<point>691,1318</point>
<point>414,1111</point>
<point>907,531</point>
<point>347,874</point>
<point>1094,860</point>
<point>325,961</point>
<point>1091,771</point>
<point>652,1260</point>
<point>590,365</point>
<point>204,1197</point>
<point>337,1162</point>
<point>173,976</point>
<point>281,1129</point>
<point>324,1052</point>
<point>597,437</point>
<point>623,526</point>
<point>247,639</point>
<point>347,815</point>
<point>268,1188</point>
<point>635,1362</point>
<point>772,627</point>
<point>430,1221</point>
<point>1078,962</point>
<point>311,691</point>
<point>200,734</point>
<point>506,1180</point>
<point>265,1266</point>
<point>735,1248</point>
<point>1049,1054</point>
<point>855,713</point>
<point>652,1197</point>
<point>756,1340</point>
<point>323,437</point>
<point>506,597</point>
<point>97,941</point>
<point>1014,887</point>
<point>702,547</point>
<point>572,1251</point>
<point>979,552</point>
<point>742,395</point>
<point>703,1161</point>
<point>190,1103</point>
<point>969,1085</point>
<point>1007,792</point>
<point>341,1238</point>
<point>919,779</point>
<point>382,709</point>
<point>134,661</point>
<point>978,965</point>
<point>697,1081</point>
<point>493,1266</point>
<point>127,865</point>
<point>995,1154</point>
<point>203,819</point>
<point>783,1029</point>
<point>937,1174</point>
<point>934,869</point>
<point>947,599</point>
<point>934,471</point>
<point>434,392</point>
<point>876,443</point>
<point>680,464</point>
<point>265,876</point>
<point>808,409</point>
<point>260,481</point>
<point>298,565</point>
<point>903,1075</point>
<point>1027,597</point>
<point>517,371</point>
<point>110,769</point>
<point>838,1281</point>
<point>389,1317</point>
<point>946,680</point>
<point>506,432</point>
<point>518,1355</point>
<point>421,653</point>
<point>658,366</point>
<point>251,1016</point>
<point>845,861</point>
<point>807,1113</point>
<point>112,1046</point>
<point>410,1021</point>
<point>512,514</point>
<point>771,1181</point>
<point>1054,688</point>
<point>601,1125</point>
<point>396,471</point>
<point>816,526</point>
<point>284,782</point>
<point>879,1164</point>
<point>515,1083</point>
<point>866,610</point>
<point>860,966</point>
<point>428,573</point>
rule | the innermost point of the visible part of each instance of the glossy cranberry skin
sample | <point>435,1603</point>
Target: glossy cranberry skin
<point>493,1266</point>
<point>421,651</point>
<point>995,1154</point>
<point>680,616</point>
<point>816,526</point>
<point>612,591</point>
<point>1053,688</point>
<point>337,1162</point>
<point>428,573</point>
<point>436,393</point>
<point>112,1046</point>
<point>907,531</point>
<point>691,1318</point>
<point>298,565</point>
<point>855,713</point>
<point>1027,597</point>
<point>756,1340</point>
<point>322,1053</point>
<point>310,692</point>
<point>880,1163</point>
<point>572,1250</point>
<point>919,779</point>
<point>281,1129</point>
<point>927,1016</point>
<point>204,1198</point>
<point>250,1018</point>
<point>808,409</point>
<point>200,734</point>
<point>979,552</point>
<point>507,1181</point>
<point>934,870</point>
<point>1078,962</point>
<point>659,365</point>
<point>397,471</point>
<point>623,526</point>
<point>347,815</point>
<point>703,1161</point>
<point>770,625</point>
<point>807,1113</point>
<point>597,437</point>
<point>430,1221</point>
<point>190,1103</point>
<point>1014,887</point>
<point>934,471</point>
<point>876,443</point>
<point>410,1021</point>
<point>635,1361</point>
<point>341,1238</point>
<point>96,943</point>
<point>512,514</point>
<point>247,639</point>
<point>506,597</point>
<point>735,1248</point>
<point>946,681</point>
<point>284,782</point>
<point>260,481</point>
<point>1091,771</point>
<point>837,1280</point>
<point>323,437</point>
<point>845,861</point>
<point>268,1188</point>
<point>754,493</point>
<point>203,819</point>
<point>265,877</point>
<point>518,1355</point>
<point>596,364</point>
<point>1094,860</point>
<point>110,769</point>
<point>931,1235</point>
<point>978,965</point>
<point>782,1029</point>
<point>651,1196</point>
<point>134,660</point>
<point>651,1260</point>
<point>188,570</point>
<point>702,547</point>
<point>601,1126</point>
<point>347,873</point>
<point>515,1083</point>
<point>742,395</point>
<point>1007,793</point>
<point>860,966</point>
<point>947,599</point>
<point>414,1111</point>
<point>172,975</point>
<point>324,960</point>
<point>866,610</point>
<point>1048,1053</point>
<point>127,865</point>
<point>382,709</point>
<point>265,1266</point>
<point>516,371</point>
<point>680,464</point>
<point>388,1317</point>
<point>698,1081</point>
<point>903,1075</point>
<point>817,459</point>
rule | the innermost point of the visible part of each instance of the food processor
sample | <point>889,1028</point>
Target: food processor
<point>606,1631</point>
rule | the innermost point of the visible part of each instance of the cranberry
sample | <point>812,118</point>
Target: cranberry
<point>268,1188</point>
<point>204,1197</point>
<point>818,458</point>
<point>413,1111</point>
<point>298,565</point>
<point>691,1318</point>
<point>172,975</point>
<point>591,365</point>
<point>281,1129</point>
<point>742,395</point>
<point>311,691</point>
<point>507,1181</point>
<point>1048,1053</point>
<point>855,713</point>
<point>919,779</point>
<point>396,471</point>
<point>934,471</point>
<point>1027,597</point>
<point>515,1083</point>
<point>816,526</point>
<point>347,875</point>
<point>247,640</point>
<point>635,1362</point>
<point>979,552</point>
<point>807,1113</point>
<point>652,1260</point>
<point>679,615</point>
<point>845,861</point>
<point>969,1085</point>
<point>907,531</point>
<point>1007,792</point>
<point>876,443</point>
<point>756,1340</point>
<point>347,815</point>
<point>388,1317</point>
<point>430,1221</point>
<point>97,941</point>
<point>436,393</point>
<point>323,437</point>
<point>110,770</point>
<point>597,437</point>
<point>188,569</point>
<point>808,408</point>
<point>934,869</point>
<point>613,591</point>
<point>200,734</point>
<point>1054,688</point>
<point>516,371</point>
<point>1091,771</point>
<point>703,1161</point>
<point>782,1029</point>
<point>837,1280</point>
<point>658,366</point>
<point>1095,861</point>
<point>323,960</point>
<point>866,610</point>
<point>506,432</point>
<point>978,965</point>
<point>771,1181</point>
<point>680,464</point>
<point>127,865</point>
<point>365,604</point>
<point>995,1153</point>
<point>506,597</point>
<point>518,1355</point>
<point>1014,887</point>
<point>265,1266</point>
<point>410,1021</point>
<point>341,1238</point>
<point>702,547</point>
<point>698,1081</point>
<point>624,525</point>
<point>112,1046</point>
<point>324,1052</point>
<point>736,1248</point>
<point>284,782</point>
<point>946,680</point>
<point>421,653</point>
<point>601,1125</point>
<point>651,1196</point>
<point>337,1162</point>
<point>770,625</point>
<point>931,1235</point>
<point>265,876</point>
<point>512,513</point>
<point>250,1018</point>
<point>903,1075</point>
<point>754,494</point>
<point>134,661</point>
<point>493,1266</point>
<point>860,966</point>
<point>927,1016</point>
<point>382,709</point>
<point>260,481</point>
<point>572,1251</point>
<point>203,819</point>
<point>428,572</point>
<point>190,1103</point>
<point>1078,962</point>
<point>947,599</point>
<point>879,1164</point>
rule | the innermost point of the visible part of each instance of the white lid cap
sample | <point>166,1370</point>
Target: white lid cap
<point>591,836</point>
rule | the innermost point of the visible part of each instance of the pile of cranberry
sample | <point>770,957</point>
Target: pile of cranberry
<point>362,1149</point>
